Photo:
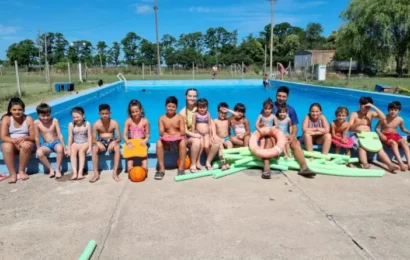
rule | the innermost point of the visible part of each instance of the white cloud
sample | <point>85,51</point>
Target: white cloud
<point>5,30</point>
<point>144,9</point>
<point>199,9</point>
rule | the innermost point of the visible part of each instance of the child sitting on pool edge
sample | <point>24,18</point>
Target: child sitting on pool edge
<point>339,131</point>
<point>172,135</point>
<point>201,124</point>
<point>49,129</point>
<point>240,126</point>
<point>109,137</point>
<point>387,130</point>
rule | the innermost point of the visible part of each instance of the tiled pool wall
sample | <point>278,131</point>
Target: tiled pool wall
<point>65,104</point>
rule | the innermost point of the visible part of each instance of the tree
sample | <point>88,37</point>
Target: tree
<point>148,52</point>
<point>168,49</point>
<point>50,37</point>
<point>313,36</point>
<point>60,48</point>
<point>217,39</point>
<point>192,40</point>
<point>23,52</point>
<point>80,51</point>
<point>115,53</point>
<point>130,45</point>
<point>251,51</point>
<point>375,30</point>
<point>102,53</point>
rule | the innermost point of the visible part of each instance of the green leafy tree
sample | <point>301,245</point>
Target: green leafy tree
<point>24,52</point>
<point>168,49</point>
<point>313,36</point>
<point>148,52</point>
<point>251,51</point>
<point>216,39</point>
<point>375,30</point>
<point>130,45</point>
<point>114,54</point>
<point>49,37</point>
<point>59,49</point>
<point>102,52</point>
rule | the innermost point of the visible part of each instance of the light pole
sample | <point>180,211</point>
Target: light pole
<point>272,5</point>
<point>156,29</point>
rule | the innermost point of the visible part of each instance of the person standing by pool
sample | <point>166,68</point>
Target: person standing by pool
<point>194,139</point>
<point>17,135</point>
<point>282,95</point>
<point>214,71</point>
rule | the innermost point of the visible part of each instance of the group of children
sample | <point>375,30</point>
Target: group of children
<point>20,134</point>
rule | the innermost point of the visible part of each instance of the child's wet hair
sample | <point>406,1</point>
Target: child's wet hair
<point>268,103</point>
<point>171,100</point>
<point>315,105</point>
<point>43,108</point>
<point>135,103</point>
<point>394,105</point>
<point>222,105</point>
<point>15,101</point>
<point>342,110</point>
<point>365,100</point>
<point>239,107</point>
<point>202,102</point>
<point>282,108</point>
<point>78,110</point>
<point>104,107</point>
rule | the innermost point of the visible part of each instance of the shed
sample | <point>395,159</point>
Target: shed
<point>312,57</point>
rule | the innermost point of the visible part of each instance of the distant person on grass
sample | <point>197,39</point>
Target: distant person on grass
<point>214,71</point>
<point>48,128</point>
<point>108,132</point>
<point>17,135</point>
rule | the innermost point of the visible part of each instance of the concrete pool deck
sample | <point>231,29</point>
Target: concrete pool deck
<point>236,217</point>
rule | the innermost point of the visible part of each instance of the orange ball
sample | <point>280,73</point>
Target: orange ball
<point>187,162</point>
<point>137,174</point>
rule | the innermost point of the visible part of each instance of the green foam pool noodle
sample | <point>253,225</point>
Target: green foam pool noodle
<point>233,156</point>
<point>353,160</point>
<point>338,160</point>
<point>291,165</point>
<point>274,165</point>
<point>246,153</point>
<point>235,150</point>
<point>216,165</point>
<point>289,159</point>
<point>88,251</point>
<point>316,155</point>
<point>335,170</point>
<point>244,161</point>
<point>195,175</point>
<point>341,156</point>
<point>319,161</point>
<point>230,171</point>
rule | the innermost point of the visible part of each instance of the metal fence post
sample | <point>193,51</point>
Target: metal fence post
<point>69,72</point>
<point>80,73</point>
<point>17,78</point>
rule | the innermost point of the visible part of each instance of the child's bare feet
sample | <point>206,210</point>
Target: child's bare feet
<point>403,167</point>
<point>80,177</point>
<point>393,168</point>
<point>24,176</point>
<point>198,166</point>
<point>223,167</point>
<point>366,166</point>
<point>350,165</point>
<point>95,178</point>
<point>58,174</point>
<point>74,177</point>
<point>115,177</point>
<point>51,174</point>
<point>12,179</point>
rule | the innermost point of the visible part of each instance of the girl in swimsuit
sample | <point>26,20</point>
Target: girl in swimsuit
<point>136,127</point>
<point>79,142</point>
<point>284,124</point>
<point>240,126</point>
<point>316,129</point>
<point>340,128</point>
<point>201,124</point>
<point>267,119</point>
<point>194,141</point>
<point>17,135</point>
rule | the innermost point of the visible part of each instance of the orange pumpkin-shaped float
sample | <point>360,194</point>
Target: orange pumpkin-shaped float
<point>187,162</point>
<point>137,174</point>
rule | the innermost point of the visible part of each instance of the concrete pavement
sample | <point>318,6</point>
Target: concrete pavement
<point>237,217</point>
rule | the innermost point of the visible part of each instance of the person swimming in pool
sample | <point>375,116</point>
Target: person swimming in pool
<point>108,132</point>
<point>172,134</point>
<point>49,129</point>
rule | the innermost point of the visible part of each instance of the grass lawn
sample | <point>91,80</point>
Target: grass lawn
<point>35,89</point>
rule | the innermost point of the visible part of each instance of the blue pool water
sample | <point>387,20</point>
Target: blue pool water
<point>252,96</point>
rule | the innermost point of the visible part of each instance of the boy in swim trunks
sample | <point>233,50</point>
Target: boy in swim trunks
<point>171,127</point>
<point>49,129</point>
<point>389,136</point>
<point>361,121</point>
<point>109,137</point>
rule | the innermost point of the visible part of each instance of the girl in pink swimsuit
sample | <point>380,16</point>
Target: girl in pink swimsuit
<point>136,127</point>
<point>201,124</point>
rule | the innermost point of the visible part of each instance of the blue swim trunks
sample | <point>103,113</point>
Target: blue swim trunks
<point>226,139</point>
<point>51,145</point>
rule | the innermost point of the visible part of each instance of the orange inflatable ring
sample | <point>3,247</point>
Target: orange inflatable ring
<point>280,138</point>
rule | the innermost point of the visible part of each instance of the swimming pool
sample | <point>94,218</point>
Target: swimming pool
<point>250,93</point>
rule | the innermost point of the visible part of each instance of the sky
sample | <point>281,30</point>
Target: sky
<point>102,20</point>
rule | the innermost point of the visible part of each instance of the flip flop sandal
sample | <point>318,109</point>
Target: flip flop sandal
<point>180,172</point>
<point>266,174</point>
<point>159,175</point>
<point>307,173</point>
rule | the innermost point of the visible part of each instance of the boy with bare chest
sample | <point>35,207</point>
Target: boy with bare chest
<point>108,132</point>
<point>387,130</point>
<point>361,121</point>
<point>49,129</point>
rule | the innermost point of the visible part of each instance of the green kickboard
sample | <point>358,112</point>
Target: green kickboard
<point>370,141</point>
<point>337,170</point>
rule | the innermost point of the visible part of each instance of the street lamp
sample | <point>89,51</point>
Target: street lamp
<point>156,28</point>
<point>272,5</point>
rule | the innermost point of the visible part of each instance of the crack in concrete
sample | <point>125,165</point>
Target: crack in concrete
<point>111,222</point>
<point>330,217</point>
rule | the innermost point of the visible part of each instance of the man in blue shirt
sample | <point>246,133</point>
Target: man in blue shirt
<point>281,97</point>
